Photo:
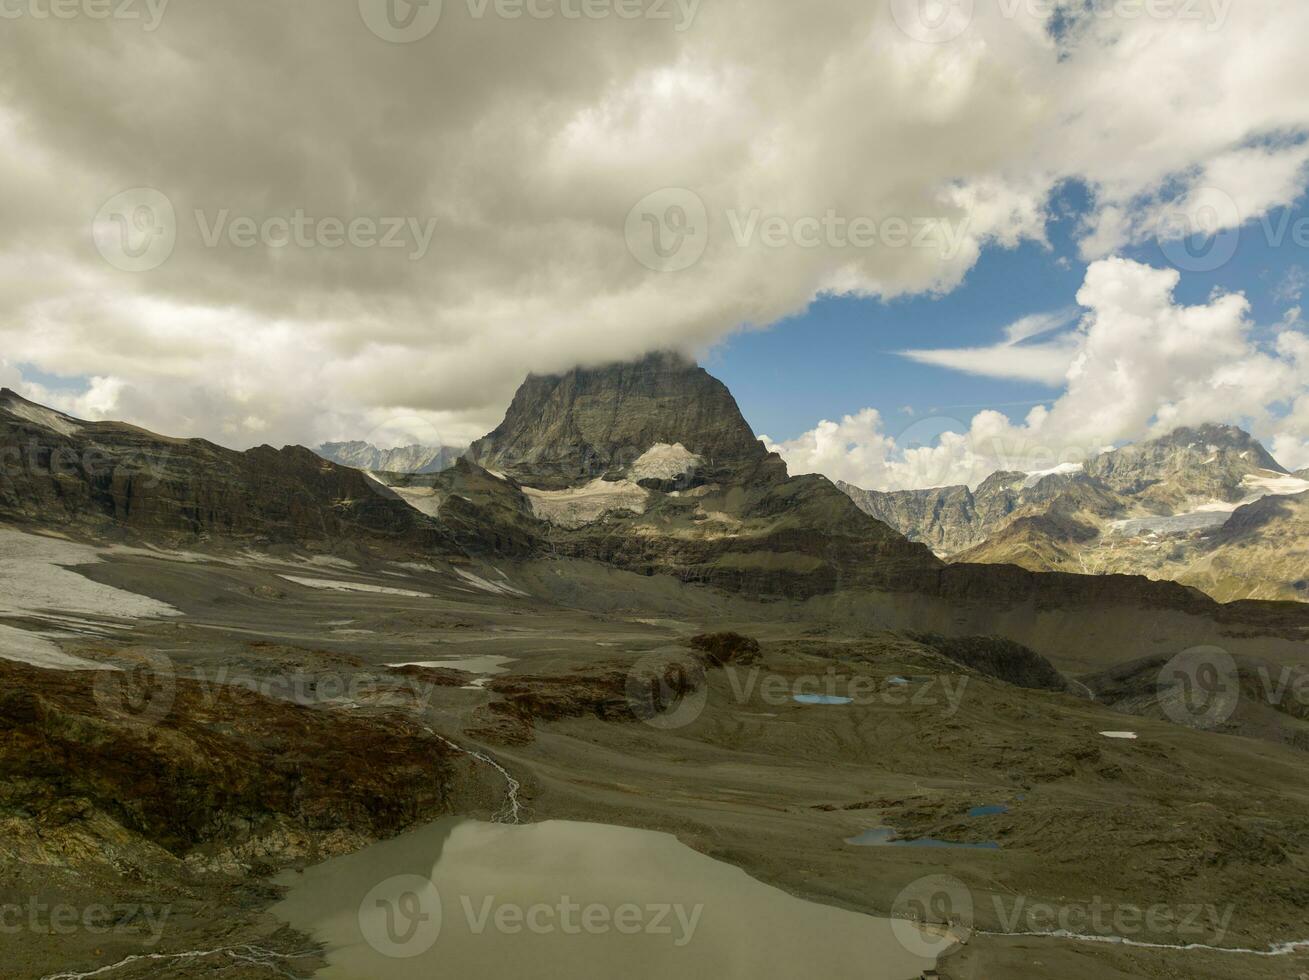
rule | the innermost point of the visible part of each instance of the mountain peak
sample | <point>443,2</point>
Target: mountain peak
<point>566,429</point>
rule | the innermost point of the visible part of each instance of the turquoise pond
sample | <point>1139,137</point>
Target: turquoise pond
<point>988,811</point>
<point>820,699</point>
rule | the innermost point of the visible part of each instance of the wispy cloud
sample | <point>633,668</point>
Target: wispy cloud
<point>1014,357</point>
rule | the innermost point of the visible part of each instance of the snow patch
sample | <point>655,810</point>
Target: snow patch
<point>492,587</point>
<point>35,580</point>
<point>1275,483</point>
<point>1063,469</point>
<point>44,417</point>
<point>664,462</point>
<point>337,585</point>
<point>425,500</point>
<point>29,648</point>
<point>1128,736</point>
<point>578,506</point>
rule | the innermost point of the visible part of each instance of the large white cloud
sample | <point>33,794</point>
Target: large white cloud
<point>1140,365</point>
<point>831,148</point>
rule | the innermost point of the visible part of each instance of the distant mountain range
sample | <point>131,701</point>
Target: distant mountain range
<point>648,469</point>
<point>1207,506</point>
<point>402,459</point>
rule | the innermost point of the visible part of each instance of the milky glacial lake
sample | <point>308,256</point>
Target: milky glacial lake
<point>480,901</point>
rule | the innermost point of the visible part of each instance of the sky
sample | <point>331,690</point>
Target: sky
<point>919,239</point>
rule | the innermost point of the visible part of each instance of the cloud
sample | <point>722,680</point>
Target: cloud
<point>1047,363</point>
<point>529,142</point>
<point>1142,365</point>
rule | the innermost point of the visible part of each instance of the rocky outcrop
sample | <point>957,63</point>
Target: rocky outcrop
<point>721,649</point>
<point>997,657</point>
<point>222,769</point>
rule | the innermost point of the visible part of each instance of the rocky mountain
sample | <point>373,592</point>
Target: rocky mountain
<point>1205,506</point>
<point>649,466</point>
<point>402,459</point>
<point>596,423</point>
<point>64,471</point>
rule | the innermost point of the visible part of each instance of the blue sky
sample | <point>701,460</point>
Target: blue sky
<point>840,355</point>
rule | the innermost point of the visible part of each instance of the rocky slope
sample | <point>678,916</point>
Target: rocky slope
<point>947,519</point>
<point>402,459</point>
<point>59,470</point>
<point>1174,507</point>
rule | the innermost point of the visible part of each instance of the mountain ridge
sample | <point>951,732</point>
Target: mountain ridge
<point>413,458</point>
<point>1155,508</point>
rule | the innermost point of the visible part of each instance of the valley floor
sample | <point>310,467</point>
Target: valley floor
<point>1175,838</point>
